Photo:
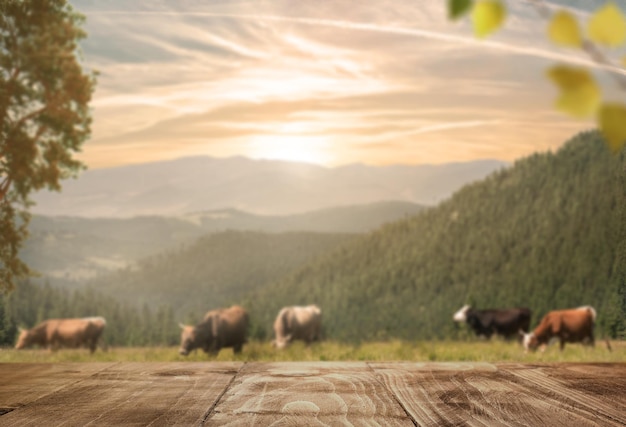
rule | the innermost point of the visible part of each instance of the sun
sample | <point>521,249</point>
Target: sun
<point>294,148</point>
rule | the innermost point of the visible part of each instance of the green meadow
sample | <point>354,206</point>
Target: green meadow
<point>389,351</point>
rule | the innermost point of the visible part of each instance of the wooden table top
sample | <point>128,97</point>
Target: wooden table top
<point>312,394</point>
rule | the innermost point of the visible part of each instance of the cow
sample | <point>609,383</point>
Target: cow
<point>572,325</point>
<point>57,333</point>
<point>504,322</point>
<point>221,328</point>
<point>297,323</point>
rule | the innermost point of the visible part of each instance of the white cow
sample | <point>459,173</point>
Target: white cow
<point>297,323</point>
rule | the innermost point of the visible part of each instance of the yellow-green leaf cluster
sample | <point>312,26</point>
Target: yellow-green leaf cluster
<point>564,30</point>
<point>487,17</point>
<point>607,26</point>
<point>580,95</point>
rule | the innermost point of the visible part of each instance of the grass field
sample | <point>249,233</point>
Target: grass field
<point>430,351</point>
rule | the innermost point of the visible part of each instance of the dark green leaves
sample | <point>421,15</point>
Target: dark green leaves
<point>458,8</point>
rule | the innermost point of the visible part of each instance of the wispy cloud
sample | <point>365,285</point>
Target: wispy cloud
<point>509,48</point>
<point>225,78</point>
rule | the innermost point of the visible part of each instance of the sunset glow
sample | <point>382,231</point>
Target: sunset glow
<point>335,84</point>
<point>292,148</point>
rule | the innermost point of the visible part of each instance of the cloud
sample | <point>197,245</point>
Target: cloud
<point>217,78</point>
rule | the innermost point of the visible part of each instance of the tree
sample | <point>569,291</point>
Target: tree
<point>44,114</point>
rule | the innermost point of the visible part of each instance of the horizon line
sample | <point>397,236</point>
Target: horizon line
<point>292,162</point>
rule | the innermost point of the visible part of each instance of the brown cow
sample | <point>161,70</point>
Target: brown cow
<point>573,325</point>
<point>56,333</point>
<point>225,327</point>
<point>297,323</point>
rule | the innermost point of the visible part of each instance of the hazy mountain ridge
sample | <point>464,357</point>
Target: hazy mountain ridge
<point>73,248</point>
<point>263,187</point>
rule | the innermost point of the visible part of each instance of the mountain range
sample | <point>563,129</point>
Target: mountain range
<point>67,249</point>
<point>262,187</point>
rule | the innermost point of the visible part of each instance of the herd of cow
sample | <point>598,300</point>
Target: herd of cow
<point>572,325</point>
<point>228,327</point>
<point>222,328</point>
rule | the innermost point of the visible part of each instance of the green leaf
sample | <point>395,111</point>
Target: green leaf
<point>458,8</point>
<point>563,30</point>
<point>607,25</point>
<point>487,16</point>
<point>612,123</point>
<point>580,95</point>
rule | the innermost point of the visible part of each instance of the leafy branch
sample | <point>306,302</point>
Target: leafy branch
<point>580,94</point>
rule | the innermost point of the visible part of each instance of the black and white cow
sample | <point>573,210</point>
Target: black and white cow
<point>505,322</point>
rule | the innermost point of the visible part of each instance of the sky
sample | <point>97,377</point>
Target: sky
<point>330,82</point>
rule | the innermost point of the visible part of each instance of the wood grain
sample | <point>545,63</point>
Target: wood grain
<point>483,394</point>
<point>312,394</point>
<point>308,394</point>
<point>131,394</point>
<point>594,388</point>
<point>24,383</point>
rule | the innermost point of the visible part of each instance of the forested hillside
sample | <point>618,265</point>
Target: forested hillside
<point>542,234</point>
<point>216,270</point>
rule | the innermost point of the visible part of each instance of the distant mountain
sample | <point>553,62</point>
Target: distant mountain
<point>264,187</point>
<point>342,219</point>
<point>72,248</point>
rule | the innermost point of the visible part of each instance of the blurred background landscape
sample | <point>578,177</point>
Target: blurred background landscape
<point>376,160</point>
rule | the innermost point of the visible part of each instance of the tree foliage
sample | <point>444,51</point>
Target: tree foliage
<point>44,114</point>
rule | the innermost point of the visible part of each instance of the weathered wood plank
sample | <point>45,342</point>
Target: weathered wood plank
<point>130,394</point>
<point>312,393</point>
<point>322,393</point>
<point>23,383</point>
<point>599,387</point>
<point>484,395</point>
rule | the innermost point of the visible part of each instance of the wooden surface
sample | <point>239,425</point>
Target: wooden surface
<point>312,394</point>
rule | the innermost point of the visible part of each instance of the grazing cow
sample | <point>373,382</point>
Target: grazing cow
<point>56,333</point>
<point>297,323</point>
<point>225,327</point>
<point>505,322</point>
<point>573,325</point>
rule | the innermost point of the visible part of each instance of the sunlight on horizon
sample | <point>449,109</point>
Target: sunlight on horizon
<point>295,148</point>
